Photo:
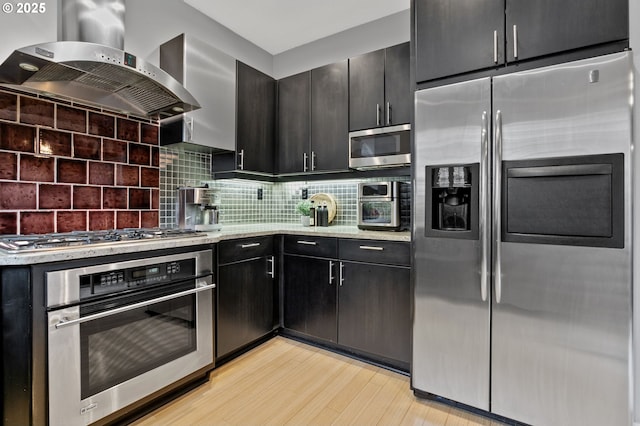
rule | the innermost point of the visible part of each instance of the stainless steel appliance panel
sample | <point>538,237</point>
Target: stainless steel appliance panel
<point>560,336</point>
<point>451,317</point>
<point>581,108</point>
<point>562,314</point>
<point>120,347</point>
<point>211,74</point>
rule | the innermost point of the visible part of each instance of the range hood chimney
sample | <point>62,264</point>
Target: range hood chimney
<point>88,65</point>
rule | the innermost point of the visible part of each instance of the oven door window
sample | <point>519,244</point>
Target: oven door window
<point>377,212</point>
<point>121,346</point>
<point>567,201</point>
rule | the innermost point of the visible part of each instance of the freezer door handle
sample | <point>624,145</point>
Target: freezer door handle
<point>497,187</point>
<point>484,200</point>
<point>515,42</point>
<point>495,48</point>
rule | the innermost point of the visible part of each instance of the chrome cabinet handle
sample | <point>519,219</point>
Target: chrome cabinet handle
<point>202,284</point>
<point>374,248</point>
<point>388,113</point>
<point>272,272</point>
<point>244,246</point>
<point>305,158</point>
<point>308,243</point>
<point>515,42</point>
<point>313,160</point>
<point>497,176</point>
<point>377,114</point>
<point>484,213</point>
<point>241,163</point>
<point>495,46</point>
<point>331,277</point>
<point>341,274</point>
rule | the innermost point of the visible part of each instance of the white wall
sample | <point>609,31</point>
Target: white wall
<point>20,30</point>
<point>149,23</point>
<point>384,32</point>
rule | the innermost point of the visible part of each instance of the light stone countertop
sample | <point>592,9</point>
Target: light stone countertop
<point>228,232</point>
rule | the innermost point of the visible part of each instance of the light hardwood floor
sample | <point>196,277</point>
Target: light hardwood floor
<point>284,382</point>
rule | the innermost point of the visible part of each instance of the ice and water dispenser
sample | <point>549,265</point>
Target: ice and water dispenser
<point>452,201</point>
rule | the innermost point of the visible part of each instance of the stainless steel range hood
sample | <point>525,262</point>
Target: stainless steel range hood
<point>89,66</point>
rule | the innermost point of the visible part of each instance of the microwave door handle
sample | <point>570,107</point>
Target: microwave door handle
<point>497,220</point>
<point>484,201</point>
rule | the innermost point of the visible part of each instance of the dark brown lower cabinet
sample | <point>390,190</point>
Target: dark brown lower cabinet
<point>245,303</point>
<point>355,296</point>
<point>374,309</point>
<point>310,296</point>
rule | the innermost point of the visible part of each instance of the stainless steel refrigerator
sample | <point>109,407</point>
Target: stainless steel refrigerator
<point>522,243</point>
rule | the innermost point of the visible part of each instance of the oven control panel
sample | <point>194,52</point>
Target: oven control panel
<point>115,281</point>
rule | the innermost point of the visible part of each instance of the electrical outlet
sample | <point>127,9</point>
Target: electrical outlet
<point>305,193</point>
<point>259,193</point>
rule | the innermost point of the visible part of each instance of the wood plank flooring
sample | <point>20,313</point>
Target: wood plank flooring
<point>284,382</point>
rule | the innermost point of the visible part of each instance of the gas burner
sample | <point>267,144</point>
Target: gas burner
<point>35,242</point>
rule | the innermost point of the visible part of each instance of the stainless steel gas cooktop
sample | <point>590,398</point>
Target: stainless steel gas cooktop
<point>37,242</point>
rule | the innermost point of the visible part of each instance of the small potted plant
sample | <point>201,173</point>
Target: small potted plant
<point>303,207</point>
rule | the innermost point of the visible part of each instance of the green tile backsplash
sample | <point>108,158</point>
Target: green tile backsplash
<point>238,199</point>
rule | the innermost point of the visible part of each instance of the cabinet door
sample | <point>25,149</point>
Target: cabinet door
<point>375,310</point>
<point>366,91</point>
<point>245,304</point>
<point>457,36</point>
<point>293,123</point>
<point>255,120</point>
<point>397,88</point>
<point>549,26</point>
<point>310,296</point>
<point>329,117</point>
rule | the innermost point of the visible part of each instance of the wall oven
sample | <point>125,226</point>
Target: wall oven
<point>381,147</point>
<point>119,332</point>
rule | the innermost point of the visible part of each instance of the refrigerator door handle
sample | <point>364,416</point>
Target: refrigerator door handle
<point>484,200</point>
<point>515,42</point>
<point>497,187</point>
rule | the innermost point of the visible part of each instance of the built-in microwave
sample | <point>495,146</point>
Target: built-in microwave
<point>380,147</point>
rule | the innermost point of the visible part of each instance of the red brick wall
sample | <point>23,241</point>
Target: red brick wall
<point>67,167</point>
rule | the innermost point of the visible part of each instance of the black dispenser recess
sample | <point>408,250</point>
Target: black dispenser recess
<point>452,201</point>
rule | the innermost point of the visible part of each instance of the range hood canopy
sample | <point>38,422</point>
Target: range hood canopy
<point>96,74</point>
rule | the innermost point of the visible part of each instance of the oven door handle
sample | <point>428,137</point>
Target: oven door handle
<point>202,284</point>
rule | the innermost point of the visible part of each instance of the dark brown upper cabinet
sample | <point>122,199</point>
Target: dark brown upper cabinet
<point>312,120</point>
<point>379,88</point>
<point>255,120</point>
<point>294,115</point>
<point>454,37</point>
<point>329,117</point>
<point>543,27</point>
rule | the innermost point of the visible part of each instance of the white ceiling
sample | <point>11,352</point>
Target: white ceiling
<point>280,25</point>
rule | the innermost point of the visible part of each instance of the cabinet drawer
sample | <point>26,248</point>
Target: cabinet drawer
<point>246,248</point>
<point>311,246</point>
<point>374,251</point>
